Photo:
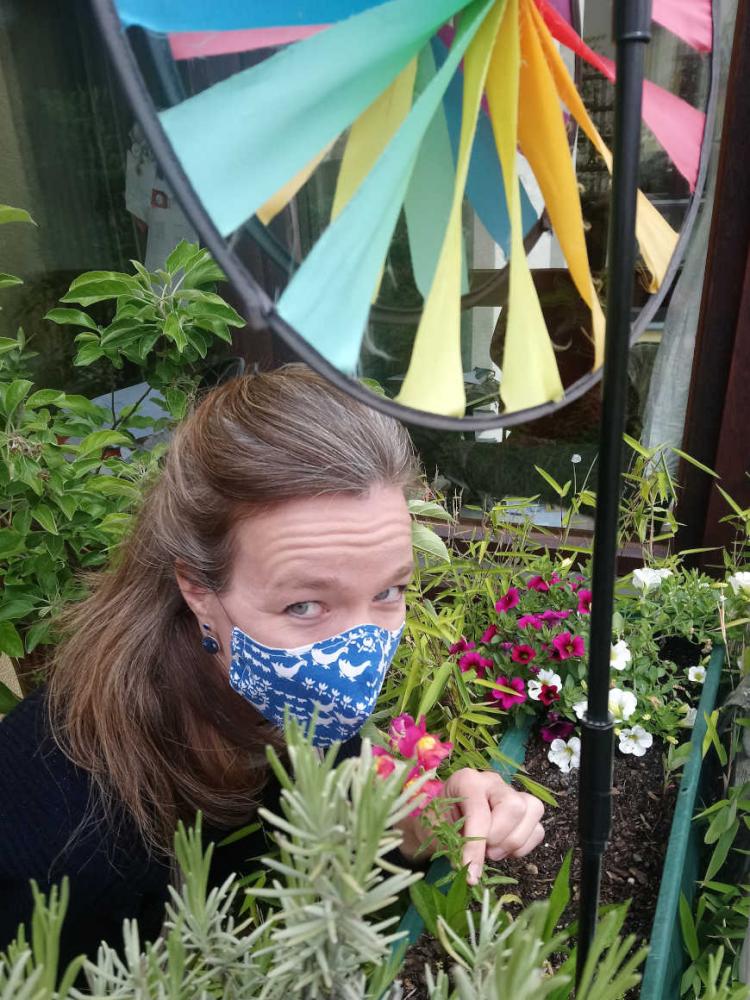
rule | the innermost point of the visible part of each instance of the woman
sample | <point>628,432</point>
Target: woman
<point>267,567</point>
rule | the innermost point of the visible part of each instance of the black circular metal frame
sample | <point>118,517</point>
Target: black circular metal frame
<point>259,310</point>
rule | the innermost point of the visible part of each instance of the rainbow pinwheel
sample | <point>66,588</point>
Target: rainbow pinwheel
<point>430,96</point>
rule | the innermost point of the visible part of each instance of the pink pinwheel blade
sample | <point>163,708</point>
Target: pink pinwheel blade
<point>690,20</point>
<point>677,125</point>
<point>198,44</point>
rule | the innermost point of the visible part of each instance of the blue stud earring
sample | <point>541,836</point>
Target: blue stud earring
<point>209,643</point>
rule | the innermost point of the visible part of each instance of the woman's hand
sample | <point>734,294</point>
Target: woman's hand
<point>499,822</point>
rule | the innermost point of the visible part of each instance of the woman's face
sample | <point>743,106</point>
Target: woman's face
<point>311,568</point>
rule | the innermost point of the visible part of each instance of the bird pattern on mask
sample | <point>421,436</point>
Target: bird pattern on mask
<point>340,676</point>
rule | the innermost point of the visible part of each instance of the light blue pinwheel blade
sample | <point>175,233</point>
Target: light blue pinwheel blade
<point>328,299</point>
<point>233,15</point>
<point>241,140</point>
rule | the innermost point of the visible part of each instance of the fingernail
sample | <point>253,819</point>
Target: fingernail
<point>475,873</point>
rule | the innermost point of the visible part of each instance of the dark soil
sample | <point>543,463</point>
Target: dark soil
<point>641,816</point>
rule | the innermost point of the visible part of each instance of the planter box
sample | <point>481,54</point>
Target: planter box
<point>666,961</point>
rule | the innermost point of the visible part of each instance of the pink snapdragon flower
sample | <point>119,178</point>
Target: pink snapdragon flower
<point>405,733</point>
<point>474,661</point>
<point>384,763</point>
<point>506,699</point>
<point>568,646</point>
<point>523,653</point>
<point>430,790</point>
<point>431,751</point>
<point>462,646</point>
<point>508,601</point>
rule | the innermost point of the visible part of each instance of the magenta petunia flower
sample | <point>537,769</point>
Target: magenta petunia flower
<point>533,621</point>
<point>489,634</point>
<point>549,694</point>
<point>550,615</point>
<point>538,583</point>
<point>555,728</point>
<point>567,646</point>
<point>506,699</point>
<point>584,601</point>
<point>508,601</point>
<point>555,579</point>
<point>462,646</point>
<point>523,653</point>
<point>474,661</point>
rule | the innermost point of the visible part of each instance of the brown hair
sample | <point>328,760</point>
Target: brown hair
<point>133,698</point>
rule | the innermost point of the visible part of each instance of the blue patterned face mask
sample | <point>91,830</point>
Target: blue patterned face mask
<point>342,676</point>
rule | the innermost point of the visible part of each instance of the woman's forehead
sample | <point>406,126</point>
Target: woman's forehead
<point>328,536</point>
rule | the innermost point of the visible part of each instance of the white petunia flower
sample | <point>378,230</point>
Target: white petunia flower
<point>566,754</point>
<point>580,708</point>
<point>622,704</point>
<point>534,687</point>
<point>647,578</point>
<point>740,583</point>
<point>636,741</point>
<point>697,674</point>
<point>620,656</point>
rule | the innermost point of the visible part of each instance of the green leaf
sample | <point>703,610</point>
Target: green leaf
<point>16,608</point>
<point>689,935</point>
<point>45,397</point>
<point>10,641</point>
<point>11,542</point>
<point>71,317</point>
<point>37,634</point>
<point>8,699</point>
<point>173,331</point>
<point>8,344</point>
<point>426,540</point>
<point>180,256</point>
<point>177,402</point>
<point>549,479</point>
<point>97,441</point>
<point>435,689</point>
<point>732,503</point>
<point>8,280</point>
<point>44,516</point>
<point>14,394</point>
<point>559,897</point>
<point>637,446</point>
<point>83,407</point>
<point>87,355</point>
<point>721,850</point>
<point>429,508</point>
<point>695,462</point>
<point>212,305</point>
<point>10,214</point>
<point>96,286</point>
<point>423,896</point>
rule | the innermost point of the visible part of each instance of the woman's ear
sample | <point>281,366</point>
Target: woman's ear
<point>198,598</point>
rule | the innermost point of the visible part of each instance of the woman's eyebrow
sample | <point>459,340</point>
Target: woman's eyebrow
<point>327,582</point>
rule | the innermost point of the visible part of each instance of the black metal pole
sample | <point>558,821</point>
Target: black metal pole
<point>632,23</point>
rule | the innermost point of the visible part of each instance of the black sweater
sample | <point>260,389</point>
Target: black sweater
<point>43,800</point>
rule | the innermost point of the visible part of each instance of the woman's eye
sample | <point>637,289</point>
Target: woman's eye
<point>303,609</point>
<point>392,593</point>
